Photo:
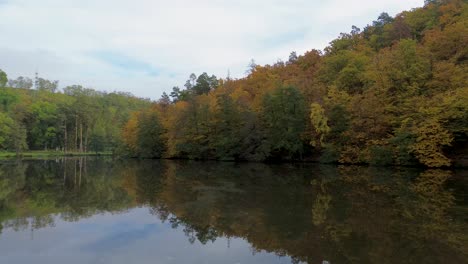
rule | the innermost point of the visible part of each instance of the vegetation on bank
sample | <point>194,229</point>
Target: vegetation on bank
<point>47,154</point>
<point>395,92</point>
<point>76,120</point>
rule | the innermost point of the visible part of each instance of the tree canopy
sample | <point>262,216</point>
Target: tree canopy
<point>395,92</point>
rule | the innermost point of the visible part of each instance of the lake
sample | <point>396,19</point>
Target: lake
<point>99,210</point>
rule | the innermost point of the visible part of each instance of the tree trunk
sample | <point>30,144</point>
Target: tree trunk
<point>64,171</point>
<point>74,185</point>
<point>76,132</point>
<point>85,167</point>
<point>65,139</point>
<point>81,137</point>
<point>86,140</point>
<point>81,167</point>
<point>17,146</point>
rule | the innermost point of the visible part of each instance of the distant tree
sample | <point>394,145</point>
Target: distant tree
<point>190,83</point>
<point>3,78</point>
<point>46,85</point>
<point>251,67</point>
<point>355,30</point>
<point>175,93</point>
<point>377,33</point>
<point>292,57</point>
<point>165,99</point>
<point>205,84</point>
<point>428,2</point>
<point>383,19</point>
<point>74,90</point>
<point>179,95</point>
<point>21,83</point>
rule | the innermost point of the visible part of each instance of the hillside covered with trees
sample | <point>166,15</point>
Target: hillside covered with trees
<point>395,92</point>
<point>76,119</point>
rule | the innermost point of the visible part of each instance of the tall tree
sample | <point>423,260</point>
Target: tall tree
<point>3,78</point>
<point>205,84</point>
<point>21,83</point>
<point>284,116</point>
<point>46,85</point>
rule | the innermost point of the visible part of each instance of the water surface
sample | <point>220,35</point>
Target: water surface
<point>96,210</point>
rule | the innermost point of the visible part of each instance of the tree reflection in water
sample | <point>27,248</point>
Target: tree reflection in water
<point>309,212</point>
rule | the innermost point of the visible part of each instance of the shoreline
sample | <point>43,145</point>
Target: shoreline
<point>51,154</point>
<point>58,154</point>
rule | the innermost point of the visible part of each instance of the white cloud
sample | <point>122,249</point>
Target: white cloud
<point>59,37</point>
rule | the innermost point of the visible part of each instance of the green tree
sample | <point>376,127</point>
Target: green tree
<point>46,85</point>
<point>21,83</point>
<point>205,84</point>
<point>150,142</point>
<point>179,95</point>
<point>284,116</point>
<point>8,98</point>
<point>43,129</point>
<point>227,129</point>
<point>3,78</point>
<point>6,124</point>
<point>18,138</point>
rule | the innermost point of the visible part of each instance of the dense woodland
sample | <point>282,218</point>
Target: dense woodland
<point>76,119</point>
<point>393,93</point>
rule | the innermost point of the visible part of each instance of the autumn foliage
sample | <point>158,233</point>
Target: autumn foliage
<point>395,92</point>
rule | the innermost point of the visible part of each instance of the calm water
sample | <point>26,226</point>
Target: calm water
<point>104,211</point>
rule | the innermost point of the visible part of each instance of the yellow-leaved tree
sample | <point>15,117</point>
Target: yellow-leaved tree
<point>319,123</point>
<point>431,138</point>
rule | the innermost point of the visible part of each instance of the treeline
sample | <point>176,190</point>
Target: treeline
<point>395,92</point>
<point>75,119</point>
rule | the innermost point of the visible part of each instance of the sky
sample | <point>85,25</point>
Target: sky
<point>135,236</point>
<point>148,46</point>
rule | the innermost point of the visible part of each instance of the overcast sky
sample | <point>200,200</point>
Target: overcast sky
<point>148,46</point>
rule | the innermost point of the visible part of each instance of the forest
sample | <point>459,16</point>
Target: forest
<point>76,119</point>
<point>392,93</point>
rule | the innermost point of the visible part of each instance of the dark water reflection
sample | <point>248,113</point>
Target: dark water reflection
<point>104,211</point>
